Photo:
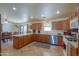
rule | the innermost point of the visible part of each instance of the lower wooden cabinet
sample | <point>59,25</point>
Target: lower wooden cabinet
<point>73,51</point>
<point>0,44</point>
<point>78,51</point>
<point>34,37</point>
<point>20,41</point>
<point>47,38</point>
<point>15,42</point>
<point>43,38</point>
<point>25,40</point>
<point>60,40</point>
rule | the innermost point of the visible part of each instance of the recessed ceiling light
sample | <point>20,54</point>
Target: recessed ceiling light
<point>58,12</point>
<point>43,16</point>
<point>14,8</point>
<point>31,17</point>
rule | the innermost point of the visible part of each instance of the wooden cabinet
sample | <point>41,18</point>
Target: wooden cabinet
<point>60,40</point>
<point>66,24</point>
<point>41,38</point>
<point>78,18</point>
<point>45,38</point>
<point>57,25</point>
<point>37,26</point>
<point>25,40</point>
<point>78,40</point>
<point>38,37</point>
<point>15,42</point>
<point>0,44</point>
<point>78,44</point>
<point>62,25</point>
<point>78,51</point>
<point>73,50</point>
<point>20,41</point>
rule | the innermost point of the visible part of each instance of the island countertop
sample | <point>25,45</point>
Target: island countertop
<point>22,34</point>
<point>35,33</point>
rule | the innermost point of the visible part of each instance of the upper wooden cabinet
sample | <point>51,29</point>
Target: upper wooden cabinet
<point>36,26</point>
<point>66,24</point>
<point>62,25</point>
<point>57,25</point>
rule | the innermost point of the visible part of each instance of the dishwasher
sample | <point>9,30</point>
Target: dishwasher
<point>54,39</point>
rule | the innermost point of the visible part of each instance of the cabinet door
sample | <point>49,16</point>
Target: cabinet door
<point>73,51</point>
<point>34,37</point>
<point>20,42</point>
<point>29,39</point>
<point>44,38</point>
<point>78,40</point>
<point>58,25</point>
<point>36,26</point>
<point>0,45</point>
<point>37,37</point>
<point>66,24</point>
<point>15,42</point>
<point>25,40</point>
<point>60,41</point>
<point>47,38</point>
<point>78,51</point>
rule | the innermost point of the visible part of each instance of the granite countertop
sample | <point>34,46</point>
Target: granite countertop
<point>35,33</point>
<point>22,34</point>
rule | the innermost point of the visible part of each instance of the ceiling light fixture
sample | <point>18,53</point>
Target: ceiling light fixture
<point>14,8</point>
<point>31,17</point>
<point>43,16</point>
<point>58,12</point>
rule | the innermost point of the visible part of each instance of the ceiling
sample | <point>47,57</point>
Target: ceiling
<point>36,10</point>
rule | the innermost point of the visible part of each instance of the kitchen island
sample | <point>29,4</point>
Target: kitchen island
<point>21,40</point>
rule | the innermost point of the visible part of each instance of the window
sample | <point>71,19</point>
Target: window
<point>22,29</point>
<point>47,27</point>
<point>25,28</point>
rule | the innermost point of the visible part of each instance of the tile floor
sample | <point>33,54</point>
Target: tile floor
<point>32,49</point>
